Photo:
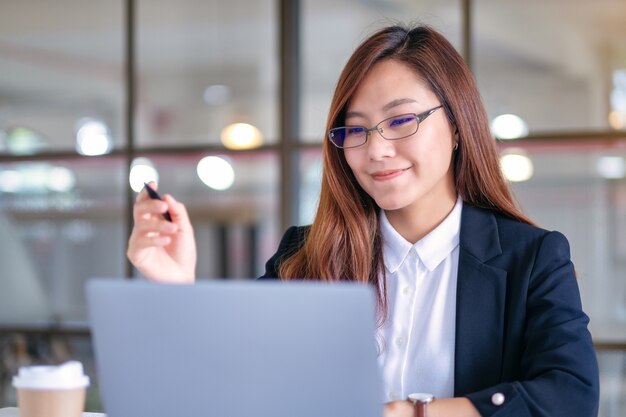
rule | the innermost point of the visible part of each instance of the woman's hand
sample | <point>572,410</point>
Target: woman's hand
<point>398,409</point>
<point>442,407</point>
<point>161,250</point>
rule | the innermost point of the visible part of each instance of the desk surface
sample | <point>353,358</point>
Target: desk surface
<point>14,412</point>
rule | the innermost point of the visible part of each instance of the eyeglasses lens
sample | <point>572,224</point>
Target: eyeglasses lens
<point>396,127</point>
<point>399,127</point>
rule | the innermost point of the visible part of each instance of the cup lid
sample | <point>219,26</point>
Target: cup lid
<point>65,376</point>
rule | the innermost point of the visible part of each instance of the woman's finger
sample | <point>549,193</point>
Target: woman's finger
<point>147,241</point>
<point>178,212</point>
<point>144,209</point>
<point>155,225</point>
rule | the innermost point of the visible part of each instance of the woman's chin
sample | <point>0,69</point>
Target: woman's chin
<point>390,205</point>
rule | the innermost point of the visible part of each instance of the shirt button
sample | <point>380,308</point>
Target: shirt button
<point>497,398</point>
<point>406,290</point>
<point>399,341</point>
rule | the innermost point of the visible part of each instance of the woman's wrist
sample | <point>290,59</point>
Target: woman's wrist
<point>452,407</point>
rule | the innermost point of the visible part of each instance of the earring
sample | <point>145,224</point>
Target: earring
<point>456,146</point>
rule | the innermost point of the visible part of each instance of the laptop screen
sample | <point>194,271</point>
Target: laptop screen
<point>235,348</point>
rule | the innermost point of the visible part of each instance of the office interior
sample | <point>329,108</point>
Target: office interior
<point>224,104</point>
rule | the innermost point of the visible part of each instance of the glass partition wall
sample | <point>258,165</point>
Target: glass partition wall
<point>224,103</point>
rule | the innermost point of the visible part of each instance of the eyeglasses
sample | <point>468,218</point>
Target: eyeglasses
<point>396,127</point>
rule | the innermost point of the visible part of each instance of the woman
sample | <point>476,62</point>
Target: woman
<point>477,306</point>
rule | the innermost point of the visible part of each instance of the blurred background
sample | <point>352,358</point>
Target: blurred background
<point>224,104</point>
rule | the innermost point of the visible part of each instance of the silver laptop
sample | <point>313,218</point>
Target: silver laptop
<point>235,349</point>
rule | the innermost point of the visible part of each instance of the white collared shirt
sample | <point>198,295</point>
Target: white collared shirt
<point>417,342</point>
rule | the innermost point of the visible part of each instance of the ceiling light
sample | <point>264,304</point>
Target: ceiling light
<point>36,178</point>
<point>60,179</point>
<point>241,136</point>
<point>23,141</point>
<point>142,170</point>
<point>216,172</point>
<point>92,138</point>
<point>611,167</point>
<point>509,126</point>
<point>10,181</point>
<point>516,166</point>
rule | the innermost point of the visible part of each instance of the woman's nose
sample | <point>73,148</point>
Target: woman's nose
<point>378,147</point>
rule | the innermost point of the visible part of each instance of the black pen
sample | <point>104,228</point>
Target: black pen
<point>155,196</point>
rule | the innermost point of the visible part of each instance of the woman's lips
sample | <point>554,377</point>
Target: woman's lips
<point>389,174</point>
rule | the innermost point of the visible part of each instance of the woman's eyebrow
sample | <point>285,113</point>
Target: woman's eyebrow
<point>354,114</point>
<point>397,102</point>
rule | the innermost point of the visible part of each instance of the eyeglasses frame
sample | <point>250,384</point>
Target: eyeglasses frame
<point>419,117</point>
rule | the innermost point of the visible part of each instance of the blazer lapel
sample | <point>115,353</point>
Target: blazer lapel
<point>480,303</point>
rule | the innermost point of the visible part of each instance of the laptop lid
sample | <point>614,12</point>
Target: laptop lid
<point>235,349</point>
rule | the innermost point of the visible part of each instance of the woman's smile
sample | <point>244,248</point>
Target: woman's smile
<point>388,174</point>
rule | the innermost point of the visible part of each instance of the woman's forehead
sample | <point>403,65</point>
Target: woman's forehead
<point>387,85</point>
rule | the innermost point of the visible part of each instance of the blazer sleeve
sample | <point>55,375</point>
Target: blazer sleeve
<point>291,241</point>
<point>558,366</point>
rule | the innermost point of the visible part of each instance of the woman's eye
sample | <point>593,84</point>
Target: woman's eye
<point>399,121</point>
<point>355,130</point>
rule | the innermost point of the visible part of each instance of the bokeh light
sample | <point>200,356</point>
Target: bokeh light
<point>216,172</point>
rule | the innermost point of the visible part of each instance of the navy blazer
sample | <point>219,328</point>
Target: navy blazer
<point>520,327</point>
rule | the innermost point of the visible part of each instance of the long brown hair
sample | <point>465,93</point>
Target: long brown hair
<point>344,242</point>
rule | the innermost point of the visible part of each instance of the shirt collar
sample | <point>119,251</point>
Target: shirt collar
<point>432,249</point>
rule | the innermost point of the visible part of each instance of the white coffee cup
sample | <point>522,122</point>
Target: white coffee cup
<point>51,391</point>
